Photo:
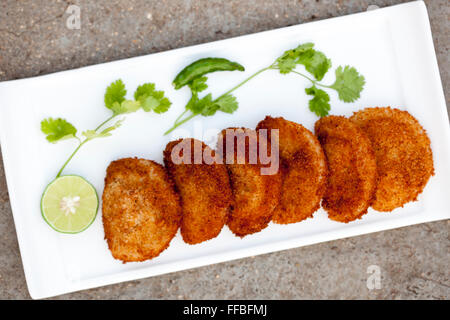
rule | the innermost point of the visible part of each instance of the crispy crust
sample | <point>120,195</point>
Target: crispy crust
<point>403,153</point>
<point>303,168</point>
<point>141,210</point>
<point>255,195</point>
<point>352,170</point>
<point>204,190</point>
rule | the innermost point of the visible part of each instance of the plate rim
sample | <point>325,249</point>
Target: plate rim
<point>128,275</point>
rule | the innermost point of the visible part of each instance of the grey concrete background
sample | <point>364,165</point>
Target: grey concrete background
<point>34,40</point>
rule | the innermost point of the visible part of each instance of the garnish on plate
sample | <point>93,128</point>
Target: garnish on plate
<point>71,210</point>
<point>194,77</point>
<point>349,82</point>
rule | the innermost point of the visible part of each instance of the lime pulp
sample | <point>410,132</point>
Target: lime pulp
<point>69,204</point>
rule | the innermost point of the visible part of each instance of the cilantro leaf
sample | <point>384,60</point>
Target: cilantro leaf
<point>198,84</point>
<point>209,109</point>
<point>286,64</point>
<point>349,83</point>
<point>127,106</point>
<point>57,129</point>
<point>164,103</point>
<point>288,61</point>
<point>205,106</point>
<point>305,47</point>
<point>315,62</point>
<point>115,93</point>
<point>227,103</point>
<point>92,134</point>
<point>191,105</point>
<point>320,104</point>
<point>150,99</point>
<point>144,90</point>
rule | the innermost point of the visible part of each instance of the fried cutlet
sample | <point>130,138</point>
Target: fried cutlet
<point>141,210</point>
<point>303,170</point>
<point>352,169</point>
<point>403,154</point>
<point>255,193</point>
<point>204,189</point>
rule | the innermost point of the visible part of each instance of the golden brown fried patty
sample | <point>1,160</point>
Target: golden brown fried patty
<point>303,169</point>
<point>141,210</point>
<point>204,189</point>
<point>255,195</point>
<point>403,154</point>
<point>352,170</point>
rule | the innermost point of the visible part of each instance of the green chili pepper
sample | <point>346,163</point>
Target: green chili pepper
<point>203,66</point>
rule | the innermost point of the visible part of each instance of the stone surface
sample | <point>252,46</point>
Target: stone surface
<point>34,40</point>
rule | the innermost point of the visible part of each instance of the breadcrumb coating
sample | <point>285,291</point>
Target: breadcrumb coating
<point>379,157</point>
<point>255,195</point>
<point>352,170</point>
<point>204,189</point>
<point>403,154</point>
<point>141,210</point>
<point>303,170</point>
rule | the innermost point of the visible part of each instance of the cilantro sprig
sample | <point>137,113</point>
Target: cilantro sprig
<point>349,84</point>
<point>145,98</point>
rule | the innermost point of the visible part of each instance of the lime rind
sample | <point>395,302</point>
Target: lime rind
<point>78,223</point>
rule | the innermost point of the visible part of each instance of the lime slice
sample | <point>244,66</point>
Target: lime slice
<point>69,204</point>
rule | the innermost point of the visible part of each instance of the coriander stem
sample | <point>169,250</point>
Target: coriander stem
<point>325,86</point>
<point>104,122</point>
<point>313,81</point>
<point>306,77</point>
<point>244,82</point>
<point>70,158</point>
<point>81,143</point>
<point>176,125</point>
<point>181,115</point>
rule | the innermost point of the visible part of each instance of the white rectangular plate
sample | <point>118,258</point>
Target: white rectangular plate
<point>391,47</point>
